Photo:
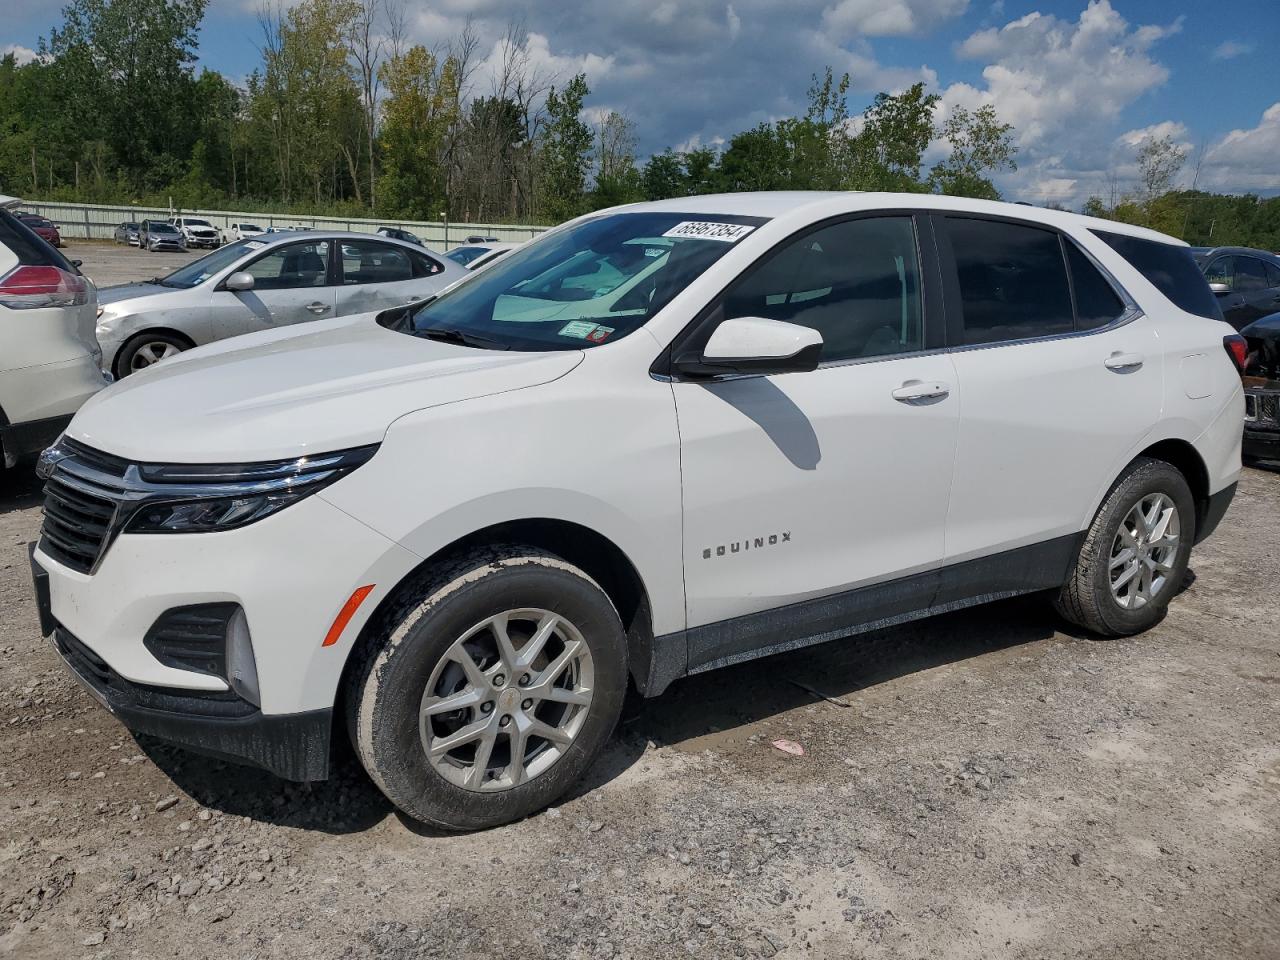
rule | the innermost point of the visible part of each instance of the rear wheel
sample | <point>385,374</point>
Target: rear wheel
<point>1135,554</point>
<point>485,694</point>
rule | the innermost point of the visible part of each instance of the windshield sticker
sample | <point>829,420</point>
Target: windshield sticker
<point>709,230</point>
<point>599,334</point>
<point>254,244</point>
<point>579,329</point>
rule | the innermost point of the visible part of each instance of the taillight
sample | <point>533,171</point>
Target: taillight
<point>27,288</point>
<point>1238,349</point>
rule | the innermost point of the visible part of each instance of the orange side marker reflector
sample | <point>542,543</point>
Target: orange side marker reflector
<point>345,614</point>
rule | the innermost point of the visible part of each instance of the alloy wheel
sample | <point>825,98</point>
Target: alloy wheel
<point>507,700</point>
<point>152,351</point>
<point>1144,551</point>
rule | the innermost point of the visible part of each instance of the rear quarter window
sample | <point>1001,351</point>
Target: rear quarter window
<point>30,250</point>
<point>1172,270</point>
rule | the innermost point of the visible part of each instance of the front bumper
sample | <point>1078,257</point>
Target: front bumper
<point>292,746</point>
<point>1262,421</point>
<point>1261,444</point>
<point>209,242</point>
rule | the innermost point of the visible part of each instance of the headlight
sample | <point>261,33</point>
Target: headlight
<point>209,497</point>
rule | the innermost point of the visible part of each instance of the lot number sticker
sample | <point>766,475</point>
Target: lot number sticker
<point>709,230</point>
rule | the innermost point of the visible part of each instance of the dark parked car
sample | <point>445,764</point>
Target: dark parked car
<point>126,233</point>
<point>1262,389</point>
<point>1245,281</point>
<point>395,233</point>
<point>42,227</point>
<point>156,235</point>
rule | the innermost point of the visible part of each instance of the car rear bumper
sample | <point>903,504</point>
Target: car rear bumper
<point>20,441</point>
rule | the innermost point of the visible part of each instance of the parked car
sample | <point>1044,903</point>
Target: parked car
<point>126,233</point>
<point>42,227</point>
<point>395,233</point>
<point>241,231</point>
<point>262,284</point>
<point>197,232</point>
<point>458,530</point>
<point>1262,389</point>
<point>472,255</point>
<point>48,355</point>
<point>1245,281</point>
<point>156,235</point>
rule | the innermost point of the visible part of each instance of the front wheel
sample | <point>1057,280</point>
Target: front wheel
<point>1135,554</point>
<point>146,349</point>
<point>488,691</point>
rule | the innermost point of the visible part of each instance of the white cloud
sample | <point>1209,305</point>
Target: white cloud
<point>20,53</point>
<point>1229,49</point>
<point>1175,130</point>
<point>1246,159</point>
<point>889,18</point>
<point>733,22</point>
<point>1063,85</point>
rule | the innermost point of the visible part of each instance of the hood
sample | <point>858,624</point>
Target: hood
<point>127,291</point>
<point>1263,337</point>
<point>305,390</point>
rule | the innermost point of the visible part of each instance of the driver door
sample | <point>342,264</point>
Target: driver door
<point>806,494</point>
<point>291,284</point>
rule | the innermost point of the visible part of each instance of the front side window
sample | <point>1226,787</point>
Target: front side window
<point>588,284</point>
<point>291,267</point>
<point>198,271</point>
<point>857,283</point>
<point>1222,270</point>
<point>369,262</point>
<point>1013,281</point>
<point>1251,275</point>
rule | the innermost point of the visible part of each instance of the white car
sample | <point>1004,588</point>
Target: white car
<point>458,531</point>
<point>476,255</point>
<point>197,232</point>
<point>48,355</point>
<point>241,231</point>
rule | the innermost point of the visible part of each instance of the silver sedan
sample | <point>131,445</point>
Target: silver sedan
<point>261,283</point>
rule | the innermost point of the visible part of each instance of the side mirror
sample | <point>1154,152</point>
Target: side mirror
<point>239,282</point>
<point>757,345</point>
<point>1219,288</point>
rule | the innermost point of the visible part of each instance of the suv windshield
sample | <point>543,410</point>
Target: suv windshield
<point>589,284</point>
<point>157,226</point>
<point>192,222</point>
<point>198,271</point>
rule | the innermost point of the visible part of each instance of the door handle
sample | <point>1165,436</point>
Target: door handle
<point>913,390</point>
<point>318,308</point>
<point>1123,362</point>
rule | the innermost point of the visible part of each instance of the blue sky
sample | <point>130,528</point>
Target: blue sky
<point>1083,81</point>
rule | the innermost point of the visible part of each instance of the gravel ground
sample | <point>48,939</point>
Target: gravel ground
<point>995,787</point>
<point>110,263</point>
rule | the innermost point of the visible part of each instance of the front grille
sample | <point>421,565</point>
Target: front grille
<point>75,524</point>
<point>80,500</point>
<point>1262,407</point>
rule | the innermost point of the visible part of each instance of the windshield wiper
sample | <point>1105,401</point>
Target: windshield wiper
<point>450,335</point>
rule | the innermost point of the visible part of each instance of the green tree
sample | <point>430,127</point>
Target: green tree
<point>421,97</point>
<point>980,145</point>
<point>663,176</point>
<point>888,153</point>
<point>565,152</point>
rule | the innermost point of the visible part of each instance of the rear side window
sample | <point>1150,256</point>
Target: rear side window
<point>1172,270</point>
<point>30,250</point>
<point>1097,303</point>
<point>1013,281</point>
<point>424,266</point>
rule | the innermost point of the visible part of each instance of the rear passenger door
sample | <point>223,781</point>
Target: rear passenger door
<point>376,276</point>
<point>1060,378</point>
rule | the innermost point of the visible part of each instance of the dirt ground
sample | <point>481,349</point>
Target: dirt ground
<point>996,787</point>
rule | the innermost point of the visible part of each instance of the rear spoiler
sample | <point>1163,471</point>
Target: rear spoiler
<point>8,203</point>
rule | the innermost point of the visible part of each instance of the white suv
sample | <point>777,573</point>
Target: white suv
<point>48,354</point>
<point>197,231</point>
<point>654,441</point>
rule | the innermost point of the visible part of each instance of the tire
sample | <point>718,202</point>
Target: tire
<point>1159,492</point>
<point>144,349</point>
<point>409,661</point>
